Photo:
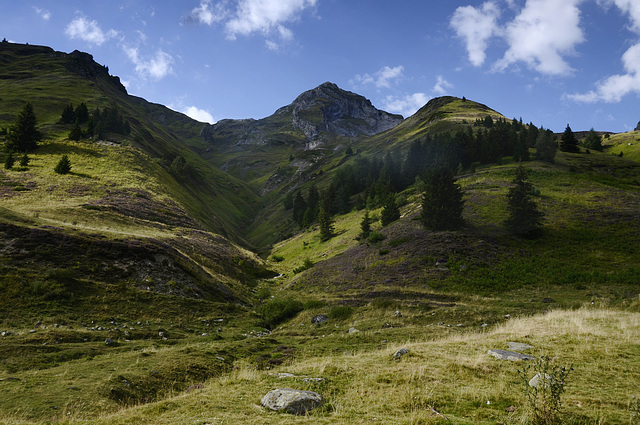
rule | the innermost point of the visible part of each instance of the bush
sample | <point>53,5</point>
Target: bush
<point>306,265</point>
<point>341,312</point>
<point>311,304</point>
<point>277,258</point>
<point>277,311</point>
<point>543,386</point>
<point>375,237</point>
<point>263,293</point>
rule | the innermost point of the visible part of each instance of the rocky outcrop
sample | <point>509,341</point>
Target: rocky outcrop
<point>638,126</point>
<point>328,108</point>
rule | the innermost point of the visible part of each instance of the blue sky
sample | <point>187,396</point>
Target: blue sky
<point>551,62</point>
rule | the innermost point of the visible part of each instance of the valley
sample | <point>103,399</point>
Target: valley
<point>165,280</point>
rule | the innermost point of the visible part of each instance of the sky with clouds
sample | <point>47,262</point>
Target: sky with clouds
<point>550,62</point>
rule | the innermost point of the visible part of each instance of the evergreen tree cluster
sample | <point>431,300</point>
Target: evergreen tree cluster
<point>23,135</point>
<point>98,123</point>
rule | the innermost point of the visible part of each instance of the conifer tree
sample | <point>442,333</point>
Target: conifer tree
<point>442,202</point>
<point>390,211</point>
<point>365,225</point>
<point>9,160</point>
<point>63,166</point>
<point>593,141</point>
<point>524,217</point>
<point>23,136</point>
<point>569,143</point>
<point>546,146</point>
<point>76,132</point>
<point>24,161</point>
<point>326,225</point>
<point>68,116</point>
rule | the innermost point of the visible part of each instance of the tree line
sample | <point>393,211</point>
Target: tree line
<point>98,123</point>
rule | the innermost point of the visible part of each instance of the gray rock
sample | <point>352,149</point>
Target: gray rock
<point>401,352</point>
<point>320,318</point>
<point>397,313</point>
<point>539,379</point>
<point>312,380</point>
<point>37,325</point>
<point>519,346</point>
<point>509,355</point>
<point>353,330</point>
<point>296,402</point>
<point>108,341</point>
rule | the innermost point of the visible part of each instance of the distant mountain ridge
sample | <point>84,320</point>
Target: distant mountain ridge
<point>324,110</point>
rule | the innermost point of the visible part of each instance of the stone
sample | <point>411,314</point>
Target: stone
<point>296,402</point>
<point>312,380</point>
<point>353,330</point>
<point>401,352</point>
<point>37,325</point>
<point>397,313</point>
<point>108,341</point>
<point>320,318</point>
<point>548,300</point>
<point>519,346</point>
<point>538,378</point>
<point>509,355</point>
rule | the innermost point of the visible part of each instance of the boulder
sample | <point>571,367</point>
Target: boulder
<point>320,318</point>
<point>509,355</point>
<point>296,402</point>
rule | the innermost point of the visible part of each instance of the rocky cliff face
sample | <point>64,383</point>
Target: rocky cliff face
<point>638,126</point>
<point>327,108</point>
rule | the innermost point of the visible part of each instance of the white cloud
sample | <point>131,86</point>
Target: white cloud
<point>613,88</point>
<point>207,13</point>
<point>265,15</point>
<point>44,14</point>
<point>476,26</point>
<point>199,114</point>
<point>541,34</point>
<point>442,85</point>
<point>156,67</point>
<point>405,105</point>
<point>381,79</point>
<point>88,30</point>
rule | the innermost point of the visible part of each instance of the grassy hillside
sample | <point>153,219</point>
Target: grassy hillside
<point>446,296</point>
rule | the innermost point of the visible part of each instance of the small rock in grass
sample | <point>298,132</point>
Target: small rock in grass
<point>509,355</point>
<point>320,318</point>
<point>401,352</point>
<point>519,346</point>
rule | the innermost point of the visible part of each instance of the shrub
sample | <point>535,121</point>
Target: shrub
<point>375,237</point>
<point>24,160</point>
<point>277,258</point>
<point>277,311</point>
<point>341,312</point>
<point>306,265</point>
<point>263,293</point>
<point>311,304</point>
<point>544,384</point>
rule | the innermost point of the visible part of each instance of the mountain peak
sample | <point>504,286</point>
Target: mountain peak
<point>328,108</point>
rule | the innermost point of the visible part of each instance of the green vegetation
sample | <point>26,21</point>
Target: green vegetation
<point>63,166</point>
<point>132,291</point>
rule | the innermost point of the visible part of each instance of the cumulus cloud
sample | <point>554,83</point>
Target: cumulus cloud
<point>43,13</point>
<point>246,17</point>
<point>207,13</point>
<point>381,79</point>
<point>88,30</point>
<point>476,26</point>
<point>198,114</point>
<point>405,105</point>
<point>442,85</point>
<point>543,32</point>
<point>613,88</point>
<point>154,67</point>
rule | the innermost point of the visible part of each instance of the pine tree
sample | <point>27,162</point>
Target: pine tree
<point>23,136</point>
<point>76,132</point>
<point>68,116</point>
<point>24,161</point>
<point>524,217</point>
<point>593,141</point>
<point>569,143</point>
<point>9,160</point>
<point>365,225</point>
<point>546,146</point>
<point>390,211</point>
<point>326,225</point>
<point>63,166</point>
<point>442,202</point>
